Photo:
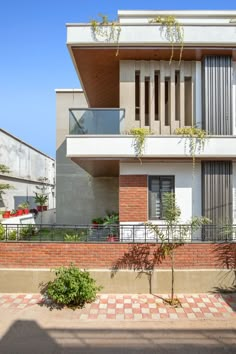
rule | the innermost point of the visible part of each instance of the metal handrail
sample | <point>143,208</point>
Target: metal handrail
<point>119,233</point>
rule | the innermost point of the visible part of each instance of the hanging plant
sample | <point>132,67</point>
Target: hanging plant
<point>196,138</point>
<point>172,31</point>
<point>109,31</point>
<point>140,135</point>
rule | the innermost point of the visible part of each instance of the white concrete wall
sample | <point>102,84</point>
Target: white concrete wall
<point>26,166</point>
<point>146,34</point>
<point>234,193</point>
<point>187,183</point>
<point>156,146</point>
<point>234,97</point>
<point>28,219</point>
<point>187,191</point>
<point>198,17</point>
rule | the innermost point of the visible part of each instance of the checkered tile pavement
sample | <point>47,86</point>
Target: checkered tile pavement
<point>139,307</point>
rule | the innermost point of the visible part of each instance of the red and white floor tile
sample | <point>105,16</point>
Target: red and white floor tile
<point>139,307</point>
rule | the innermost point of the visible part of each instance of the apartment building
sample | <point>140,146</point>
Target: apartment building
<point>28,167</point>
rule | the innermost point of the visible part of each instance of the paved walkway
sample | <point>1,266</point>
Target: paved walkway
<point>138,307</point>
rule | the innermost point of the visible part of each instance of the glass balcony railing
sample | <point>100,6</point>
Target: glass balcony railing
<point>96,121</point>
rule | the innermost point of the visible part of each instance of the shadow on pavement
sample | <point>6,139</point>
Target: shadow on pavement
<point>25,337</point>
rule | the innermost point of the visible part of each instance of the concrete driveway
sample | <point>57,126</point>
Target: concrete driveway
<point>37,330</point>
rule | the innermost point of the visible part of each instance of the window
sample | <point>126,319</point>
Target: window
<point>156,95</point>
<point>165,98</point>
<point>158,185</point>
<point>167,101</point>
<point>188,100</point>
<point>177,95</point>
<point>137,95</point>
<point>147,100</point>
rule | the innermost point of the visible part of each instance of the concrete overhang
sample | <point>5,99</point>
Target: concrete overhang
<point>100,154</point>
<point>97,64</point>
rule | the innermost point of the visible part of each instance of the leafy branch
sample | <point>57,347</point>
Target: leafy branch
<point>140,135</point>
<point>196,138</point>
<point>172,31</point>
<point>107,30</point>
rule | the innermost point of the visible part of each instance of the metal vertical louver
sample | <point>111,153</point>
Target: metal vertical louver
<point>217,191</point>
<point>217,94</point>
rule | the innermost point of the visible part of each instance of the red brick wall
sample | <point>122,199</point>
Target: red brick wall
<point>133,198</point>
<point>48,255</point>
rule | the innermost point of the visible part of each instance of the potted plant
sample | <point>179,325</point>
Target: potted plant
<point>41,201</point>
<point>6,214</point>
<point>20,212</point>
<point>111,221</point>
<point>97,221</point>
<point>13,213</point>
<point>24,207</point>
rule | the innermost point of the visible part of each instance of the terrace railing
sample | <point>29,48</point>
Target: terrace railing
<point>117,233</point>
<point>96,121</point>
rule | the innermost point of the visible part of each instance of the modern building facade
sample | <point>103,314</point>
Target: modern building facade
<point>28,166</point>
<point>139,87</point>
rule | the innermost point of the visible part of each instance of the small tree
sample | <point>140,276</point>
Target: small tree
<point>173,235</point>
<point>4,186</point>
<point>42,189</point>
<point>41,196</point>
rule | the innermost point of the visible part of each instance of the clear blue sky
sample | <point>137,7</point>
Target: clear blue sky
<point>34,59</point>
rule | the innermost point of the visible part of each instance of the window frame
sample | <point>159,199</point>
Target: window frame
<point>159,177</point>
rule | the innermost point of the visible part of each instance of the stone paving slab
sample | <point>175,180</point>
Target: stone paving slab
<point>138,307</point>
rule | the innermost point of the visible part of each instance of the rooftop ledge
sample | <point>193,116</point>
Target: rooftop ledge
<point>171,146</point>
<point>209,32</point>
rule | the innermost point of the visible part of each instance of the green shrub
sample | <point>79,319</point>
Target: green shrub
<point>2,233</point>
<point>79,237</point>
<point>27,231</point>
<point>12,235</point>
<point>72,287</point>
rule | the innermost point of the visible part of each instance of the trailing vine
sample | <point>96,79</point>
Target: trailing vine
<point>196,138</point>
<point>140,135</point>
<point>109,31</point>
<point>172,31</point>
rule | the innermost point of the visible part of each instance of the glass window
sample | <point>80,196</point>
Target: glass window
<point>158,185</point>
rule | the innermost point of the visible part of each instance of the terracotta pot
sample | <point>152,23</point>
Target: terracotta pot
<point>111,238</point>
<point>6,214</point>
<point>42,207</point>
<point>20,212</point>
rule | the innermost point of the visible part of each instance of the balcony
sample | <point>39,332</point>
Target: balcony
<point>171,146</point>
<point>96,121</point>
<point>97,145</point>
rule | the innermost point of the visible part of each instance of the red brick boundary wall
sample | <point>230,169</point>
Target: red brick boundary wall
<point>133,198</point>
<point>106,256</point>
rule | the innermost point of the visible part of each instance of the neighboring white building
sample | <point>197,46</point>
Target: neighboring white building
<point>96,164</point>
<point>27,165</point>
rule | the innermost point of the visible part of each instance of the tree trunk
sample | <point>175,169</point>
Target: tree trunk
<point>172,275</point>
